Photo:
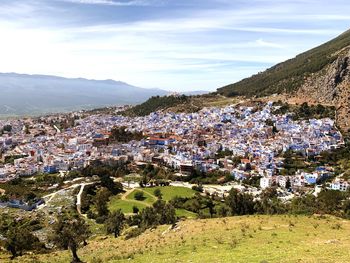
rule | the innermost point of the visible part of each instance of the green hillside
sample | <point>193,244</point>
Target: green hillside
<point>154,104</point>
<point>179,104</point>
<point>289,75</point>
<point>234,239</point>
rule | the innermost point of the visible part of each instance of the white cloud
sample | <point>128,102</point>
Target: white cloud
<point>204,50</point>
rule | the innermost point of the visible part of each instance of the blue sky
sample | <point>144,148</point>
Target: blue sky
<point>177,45</point>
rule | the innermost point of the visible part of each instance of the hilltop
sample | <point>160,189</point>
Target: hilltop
<point>233,239</point>
<point>320,75</point>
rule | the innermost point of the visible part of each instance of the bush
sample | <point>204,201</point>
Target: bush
<point>158,193</point>
<point>135,209</point>
<point>91,215</point>
<point>198,188</point>
<point>101,219</point>
<point>139,196</point>
<point>134,232</point>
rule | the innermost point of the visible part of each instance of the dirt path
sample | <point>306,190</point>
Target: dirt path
<point>123,197</point>
<point>52,195</point>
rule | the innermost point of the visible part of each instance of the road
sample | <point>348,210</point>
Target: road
<point>78,203</point>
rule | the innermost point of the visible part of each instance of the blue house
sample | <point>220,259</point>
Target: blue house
<point>50,169</point>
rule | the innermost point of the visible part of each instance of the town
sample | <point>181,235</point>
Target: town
<point>240,142</point>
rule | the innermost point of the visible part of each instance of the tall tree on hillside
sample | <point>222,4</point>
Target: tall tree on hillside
<point>69,232</point>
<point>115,223</point>
<point>165,211</point>
<point>240,203</point>
<point>101,201</point>
<point>17,236</point>
<point>20,239</point>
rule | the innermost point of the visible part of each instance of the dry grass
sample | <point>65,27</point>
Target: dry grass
<point>235,239</point>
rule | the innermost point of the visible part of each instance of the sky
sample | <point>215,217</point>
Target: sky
<point>177,45</point>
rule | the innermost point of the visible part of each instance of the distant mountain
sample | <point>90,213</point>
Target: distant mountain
<point>320,75</point>
<point>22,94</point>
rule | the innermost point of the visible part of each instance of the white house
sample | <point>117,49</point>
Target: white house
<point>340,184</point>
<point>265,182</point>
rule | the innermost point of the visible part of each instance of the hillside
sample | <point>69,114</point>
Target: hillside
<point>38,94</point>
<point>233,239</point>
<point>320,75</point>
<point>180,103</point>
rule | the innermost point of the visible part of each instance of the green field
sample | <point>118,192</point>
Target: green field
<point>126,206</point>
<point>234,239</point>
<point>127,201</point>
<point>149,197</point>
<point>169,192</point>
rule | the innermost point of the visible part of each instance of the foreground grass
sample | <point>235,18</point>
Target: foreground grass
<point>235,239</point>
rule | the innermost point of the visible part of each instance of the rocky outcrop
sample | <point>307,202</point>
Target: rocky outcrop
<point>331,86</point>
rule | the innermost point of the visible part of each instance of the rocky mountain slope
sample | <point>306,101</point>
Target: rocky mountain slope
<point>321,75</point>
<point>331,85</point>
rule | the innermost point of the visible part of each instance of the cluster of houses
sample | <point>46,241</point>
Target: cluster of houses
<point>300,179</point>
<point>183,141</point>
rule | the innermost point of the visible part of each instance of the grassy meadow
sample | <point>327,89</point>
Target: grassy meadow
<point>127,201</point>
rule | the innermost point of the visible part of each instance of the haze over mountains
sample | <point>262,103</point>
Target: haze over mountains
<point>38,94</point>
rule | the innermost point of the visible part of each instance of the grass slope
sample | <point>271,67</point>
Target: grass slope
<point>289,75</point>
<point>235,239</point>
<point>155,103</point>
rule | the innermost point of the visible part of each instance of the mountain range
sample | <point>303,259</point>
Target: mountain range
<point>22,94</point>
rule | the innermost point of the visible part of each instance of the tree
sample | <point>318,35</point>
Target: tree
<point>223,210</point>
<point>288,184</point>
<point>135,209</point>
<point>115,223</point>
<point>19,239</point>
<point>101,201</point>
<point>16,235</point>
<point>139,196</point>
<point>166,212</point>
<point>303,205</point>
<point>7,128</point>
<point>107,182</point>
<point>270,204</point>
<point>240,203</point>
<point>69,232</point>
<point>210,205</point>
<point>158,193</point>
<point>346,209</point>
<point>149,218</point>
<point>329,201</point>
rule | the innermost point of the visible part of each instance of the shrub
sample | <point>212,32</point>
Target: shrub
<point>135,209</point>
<point>139,196</point>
